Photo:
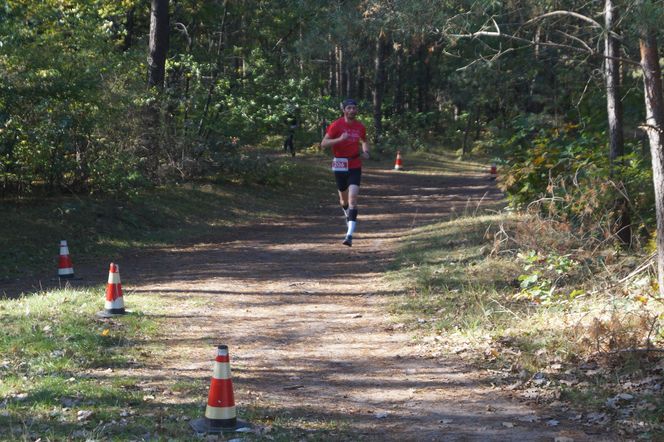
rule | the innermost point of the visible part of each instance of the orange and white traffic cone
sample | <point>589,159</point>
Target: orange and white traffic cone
<point>220,414</point>
<point>114,304</point>
<point>65,267</point>
<point>493,172</point>
<point>398,165</point>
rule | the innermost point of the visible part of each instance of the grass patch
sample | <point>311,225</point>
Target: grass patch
<point>52,350</point>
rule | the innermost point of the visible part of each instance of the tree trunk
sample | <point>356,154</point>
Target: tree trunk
<point>464,147</point>
<point>158,47</point>
<point>379,85</point>
<point>398,87</point>
<point>654,101</point>
<point>332,78</point>
<point>423,78</point>
<point>359,82</point>
<point>339,68</point>
<point>612,77</point>
<point>129,27</point>
<point>622,223</point>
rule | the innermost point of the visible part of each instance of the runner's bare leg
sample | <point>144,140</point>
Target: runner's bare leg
<point>353,192</point>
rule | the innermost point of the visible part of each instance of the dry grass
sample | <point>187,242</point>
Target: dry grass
<point>527,297</point>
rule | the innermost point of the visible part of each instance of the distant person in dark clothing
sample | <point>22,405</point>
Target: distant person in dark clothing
<point>289,142</point>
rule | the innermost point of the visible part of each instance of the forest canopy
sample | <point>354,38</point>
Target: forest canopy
<point>109,96</point>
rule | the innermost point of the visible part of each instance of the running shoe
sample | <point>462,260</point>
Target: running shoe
<point>348,241</point>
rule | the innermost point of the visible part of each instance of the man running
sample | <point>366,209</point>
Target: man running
<point>345,136</point>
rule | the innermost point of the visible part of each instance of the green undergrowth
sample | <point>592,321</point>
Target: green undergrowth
<point>109,226</point>
<point>515,295</point>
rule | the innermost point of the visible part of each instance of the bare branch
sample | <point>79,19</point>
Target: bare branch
<point>520,39</point>
<point>585,49</point>
<point>565,13</point>
<point>183,29</point>
<point>576,39</point>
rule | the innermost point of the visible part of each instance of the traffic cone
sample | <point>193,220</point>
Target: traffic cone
<point>65,267</point>
<point>398,165</point>
<point>493,172</point>
<point>220,414</point>
<point>114,304</point>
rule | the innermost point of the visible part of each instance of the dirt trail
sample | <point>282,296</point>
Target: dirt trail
<point>305,319</point>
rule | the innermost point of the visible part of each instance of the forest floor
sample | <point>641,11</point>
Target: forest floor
<point>308,326</point>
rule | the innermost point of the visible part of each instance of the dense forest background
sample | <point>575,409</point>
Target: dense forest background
<point>107,96</point>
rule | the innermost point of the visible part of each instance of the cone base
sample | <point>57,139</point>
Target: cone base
<point>111,313</point>
<point>67,276</point>
<point>210,426</point>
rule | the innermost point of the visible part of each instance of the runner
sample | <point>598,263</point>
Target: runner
<point>345,136</point>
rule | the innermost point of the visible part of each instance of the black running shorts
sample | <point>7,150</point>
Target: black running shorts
<point>345,179</point>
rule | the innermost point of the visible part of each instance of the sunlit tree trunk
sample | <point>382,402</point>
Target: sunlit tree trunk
<point>379,85</point>
<point>612,77</point>
<point>339,56</point>
<point>622,223</point>
<point>332,77</point>
<point>654,101</point>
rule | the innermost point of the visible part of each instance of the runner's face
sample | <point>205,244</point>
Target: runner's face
<point>350,111</point>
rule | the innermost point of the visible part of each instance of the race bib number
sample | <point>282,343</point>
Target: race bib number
<point>340,164</point>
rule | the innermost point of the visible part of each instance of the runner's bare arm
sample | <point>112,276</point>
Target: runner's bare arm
<point>365,149</point>
<point>329,142</point>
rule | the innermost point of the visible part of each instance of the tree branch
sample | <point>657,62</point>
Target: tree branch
<point>582,17</point>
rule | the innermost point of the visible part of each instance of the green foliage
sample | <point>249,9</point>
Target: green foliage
<point>566,170</point>
<point>59,99</point>
<point>257,169</point>
<point>544,276</point>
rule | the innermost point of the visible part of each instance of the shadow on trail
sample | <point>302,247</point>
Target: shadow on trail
<point>306,247</point>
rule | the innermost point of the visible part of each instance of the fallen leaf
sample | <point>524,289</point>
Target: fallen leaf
<point>531,418</point>
<point>83,415</point>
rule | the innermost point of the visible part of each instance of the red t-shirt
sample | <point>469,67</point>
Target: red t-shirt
<point>350,147</point>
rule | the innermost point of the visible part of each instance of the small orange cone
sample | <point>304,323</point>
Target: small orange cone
<point>220,414</point>
<point>65,267</point>
<point>493,172</point>
<point>114,304</point>
<point>398,165</point>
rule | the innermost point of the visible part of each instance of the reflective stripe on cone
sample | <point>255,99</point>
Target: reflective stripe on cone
<point>114,301</point>
<point>220,414</point>
<point>398,165</point>
<point>65,267</point>
<point>221,403</point>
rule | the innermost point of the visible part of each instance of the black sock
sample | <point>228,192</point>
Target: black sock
<point>352,215</point>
